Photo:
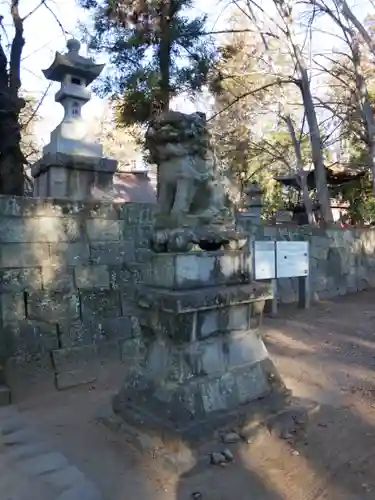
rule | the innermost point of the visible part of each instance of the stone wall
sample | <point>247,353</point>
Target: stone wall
<point>67,276</point>
<point>341,261</point>
<point>68,272</point>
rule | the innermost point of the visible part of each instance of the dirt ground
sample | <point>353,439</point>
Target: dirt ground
<point>326,354</point>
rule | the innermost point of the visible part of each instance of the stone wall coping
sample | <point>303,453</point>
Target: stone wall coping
<point>17,206</point>
<point>311,230</point>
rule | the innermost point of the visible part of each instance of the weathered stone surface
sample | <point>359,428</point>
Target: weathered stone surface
<point>58,229</point>
<point>12,307</point>
<point>80,333</point>
<point>100,303</point>
<point>52,307</point>
<point>103,229</point>
<point>58,278</point>
<point>75,366</point>
<point>16,280</point>
<point>69,254</point>
<point>111,253</point>
<point>76,333</point>
<point>191,195</point>
<point>17,230</point>
<point>341,261</point>
<point>127,274</point>
<point>24,254</point>
<point>39,229</point>
<point>207,298</point>
<point>132,350</point>
<point>30,337</point>
<point>87,277</point>
<point>137,213</point>
<point>194,407</point>
<point>187,271</point>
<point>244,349</point>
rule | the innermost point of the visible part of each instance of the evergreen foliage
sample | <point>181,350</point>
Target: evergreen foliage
<point>156,52</point>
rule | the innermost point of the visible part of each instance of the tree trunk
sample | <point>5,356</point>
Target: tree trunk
<point>285,9</point>
<point>316,143</point>
<point>349,16</point>
<point>301,171</point>
<point>164,55</point>
<point>11,173</point>
<point>365,105</point>
<point>12,160</point>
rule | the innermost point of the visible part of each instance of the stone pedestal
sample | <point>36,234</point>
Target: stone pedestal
<point>201,358</point>
<point>59,175</point>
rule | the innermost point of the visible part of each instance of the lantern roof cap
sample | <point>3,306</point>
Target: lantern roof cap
<point>73,64</point>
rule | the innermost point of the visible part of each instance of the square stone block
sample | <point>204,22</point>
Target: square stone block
<point>179,327</point>
<point>209,323</point>
<point>193,270</point>
<point>52,306</point>
<point>243,349</point>
<point>100,304</point>
<point>238,317</point>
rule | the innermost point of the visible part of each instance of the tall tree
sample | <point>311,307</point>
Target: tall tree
<point>12,103</point>
<point>12,160</point>
<point>156,52</point>
<point>283,74</point>
<point>359,97</point>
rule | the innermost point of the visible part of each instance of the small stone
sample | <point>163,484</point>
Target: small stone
<point>230,437</point>
<point>217,458</point>
<point>295,453</point>
<point>228,455</point>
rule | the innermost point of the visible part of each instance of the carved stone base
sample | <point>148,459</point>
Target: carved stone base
<point>75,177</point>
<point>197,407</point>
<point>198,238</point>
<point>204,359</point>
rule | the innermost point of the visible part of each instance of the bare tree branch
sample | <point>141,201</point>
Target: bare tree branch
<point>16,51</point>
<point>252,92</point>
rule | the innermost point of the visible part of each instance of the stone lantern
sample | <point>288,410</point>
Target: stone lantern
<point>253,202</point>
<point>72,165</point>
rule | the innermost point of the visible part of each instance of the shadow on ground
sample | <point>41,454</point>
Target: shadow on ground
<point>326,354</point>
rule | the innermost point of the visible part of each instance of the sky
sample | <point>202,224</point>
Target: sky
<point>44,37</point>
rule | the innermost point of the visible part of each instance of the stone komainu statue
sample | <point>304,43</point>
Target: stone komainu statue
<point>191,198</point>
<point>188,184</point>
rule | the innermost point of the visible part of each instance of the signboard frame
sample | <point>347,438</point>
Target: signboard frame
<point>292,259</point>
<point>264,262</point>
<point>269,267</point>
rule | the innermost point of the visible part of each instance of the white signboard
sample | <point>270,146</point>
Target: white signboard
<point>292,259</point>
<point>264,260</point>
